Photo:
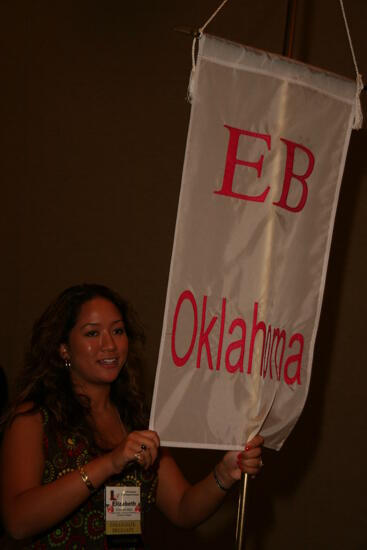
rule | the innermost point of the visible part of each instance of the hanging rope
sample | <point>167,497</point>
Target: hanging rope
<point>201,30</point>
<point>358,119</point>
<point>197,37</point>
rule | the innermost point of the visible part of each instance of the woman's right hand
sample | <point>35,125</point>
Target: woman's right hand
<point>139,446</point>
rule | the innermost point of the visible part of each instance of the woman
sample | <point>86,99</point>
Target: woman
<point>78,423</point>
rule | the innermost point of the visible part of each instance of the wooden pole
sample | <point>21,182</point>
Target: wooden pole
<point>290,26</point>
<point>241,511</point>
<point>287,51</point>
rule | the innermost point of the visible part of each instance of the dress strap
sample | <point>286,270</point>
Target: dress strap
<point>45,416</point>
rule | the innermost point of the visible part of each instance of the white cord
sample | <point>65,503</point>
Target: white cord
<point>193,49</point>
<point>201,30</point>
<point>358,119</point>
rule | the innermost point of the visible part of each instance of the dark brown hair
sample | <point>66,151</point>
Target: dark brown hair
<point>45,381</point>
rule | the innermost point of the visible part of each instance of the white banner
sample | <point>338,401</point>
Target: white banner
<point>265,154</point>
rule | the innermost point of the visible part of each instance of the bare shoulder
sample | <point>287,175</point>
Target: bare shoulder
<point>27,421</point>
<point>22,454</point>
<point>28,410</point>
<point>26,407</point>
<point>23,437</point>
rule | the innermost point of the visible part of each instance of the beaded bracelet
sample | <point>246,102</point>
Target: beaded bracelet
<point>86,479</point>
<point>225,489</point>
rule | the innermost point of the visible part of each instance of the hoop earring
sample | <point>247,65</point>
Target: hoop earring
<point>67,364</point>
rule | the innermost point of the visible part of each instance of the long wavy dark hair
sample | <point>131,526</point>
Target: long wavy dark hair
<point>45,380</point>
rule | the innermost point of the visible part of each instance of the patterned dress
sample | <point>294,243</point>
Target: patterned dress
<point>85,528</point>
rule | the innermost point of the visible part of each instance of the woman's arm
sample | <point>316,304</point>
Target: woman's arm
<point>188,505</point>
<point>28,507</point>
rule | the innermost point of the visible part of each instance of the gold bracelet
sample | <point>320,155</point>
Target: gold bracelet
<point>86,479</point>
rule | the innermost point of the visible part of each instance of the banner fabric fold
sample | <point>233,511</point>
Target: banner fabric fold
<point>265,154</point>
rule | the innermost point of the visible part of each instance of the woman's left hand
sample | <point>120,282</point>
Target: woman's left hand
<point>234,463</point>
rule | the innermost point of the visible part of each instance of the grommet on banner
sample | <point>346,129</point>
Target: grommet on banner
<point>197,34</point>
<point>190,88</point>
<point>187,30</point>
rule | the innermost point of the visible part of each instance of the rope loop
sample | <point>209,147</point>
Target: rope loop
<point>198,34</point>
<point>358,117</point>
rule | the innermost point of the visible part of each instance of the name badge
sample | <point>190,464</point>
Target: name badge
<point>122,510</point>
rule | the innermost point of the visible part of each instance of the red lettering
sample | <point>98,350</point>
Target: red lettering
<point>267,355</point>
<point>272,344</point>
<point>232,160</point>
<point>255,329</point>
<point>289,175</point>
<point>279,337</point>
<point>180,361</point>
<point>238,344</point>
<point>204,337</point>
<point>222,322</point>
<point>294,358</point>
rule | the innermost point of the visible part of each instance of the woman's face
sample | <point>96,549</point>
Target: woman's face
<point>98,345</point>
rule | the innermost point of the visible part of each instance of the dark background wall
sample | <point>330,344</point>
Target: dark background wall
<point>93,127</point>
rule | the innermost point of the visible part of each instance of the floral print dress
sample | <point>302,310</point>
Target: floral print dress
<point>84,529</point>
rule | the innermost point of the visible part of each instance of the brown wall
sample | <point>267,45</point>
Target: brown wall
<point>94,122</point>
